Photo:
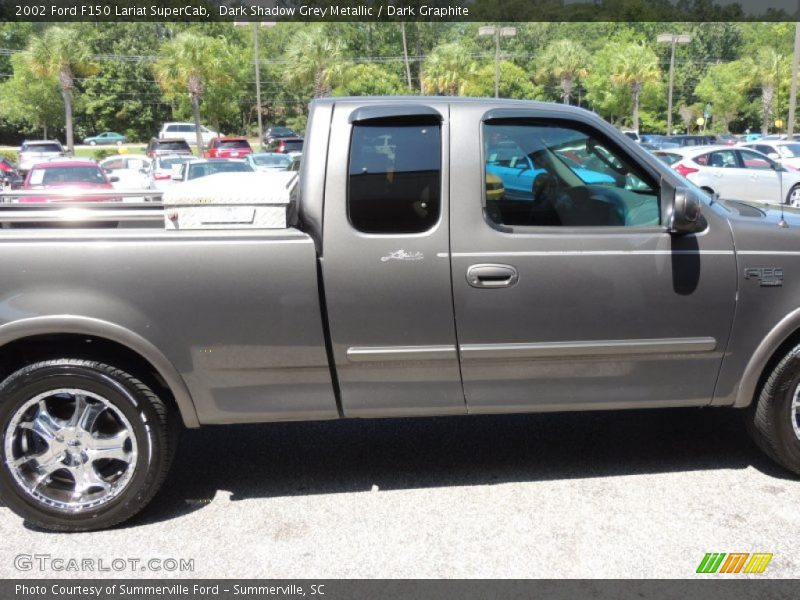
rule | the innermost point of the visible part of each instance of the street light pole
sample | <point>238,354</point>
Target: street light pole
<point>497,32</point>
<point>674,40</point>
<point>258,84</point>
<point>793,90</point>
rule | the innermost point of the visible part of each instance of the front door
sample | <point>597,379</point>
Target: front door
<point>581,299</point>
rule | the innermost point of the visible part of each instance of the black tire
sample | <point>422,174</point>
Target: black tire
<point>794,190</point>
<point>153,424</point>
<point>770,417</point>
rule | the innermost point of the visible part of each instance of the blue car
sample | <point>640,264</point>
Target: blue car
<point>517,173</point>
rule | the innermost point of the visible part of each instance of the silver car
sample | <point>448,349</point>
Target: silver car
<point>738,173</point>
<point>33,152</point>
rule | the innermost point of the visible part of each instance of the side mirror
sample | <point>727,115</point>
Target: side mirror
<point>685,216</point>
<point>774,156</point>
<point>114,179</point>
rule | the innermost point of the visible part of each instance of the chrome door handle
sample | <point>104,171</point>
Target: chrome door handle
<point>492,276</point>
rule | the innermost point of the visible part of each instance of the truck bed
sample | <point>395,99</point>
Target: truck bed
<point>236,314</point>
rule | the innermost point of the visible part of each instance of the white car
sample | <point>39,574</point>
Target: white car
<point>785,152</point>
<point>186,131</point>
<point>738,173</point>
<point>132,172</point>
<point>160,173</point>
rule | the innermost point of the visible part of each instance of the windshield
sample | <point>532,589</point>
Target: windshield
<point>271,160</point>
<point>229,144</point>
<point>173,145</point>
<point>61,175</point>
<point>41,147</point>
<point>203,169</point>
<point>789,150</point>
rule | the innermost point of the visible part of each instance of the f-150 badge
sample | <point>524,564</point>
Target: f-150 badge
<point>767,276</point>
<point>402,255</point>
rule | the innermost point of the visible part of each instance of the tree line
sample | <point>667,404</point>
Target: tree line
<point>72,80</point>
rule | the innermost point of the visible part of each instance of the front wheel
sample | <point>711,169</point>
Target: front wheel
<point>93,143</point>
<point>84,445</point>
<point>773,419</point>
<point>793,199</point>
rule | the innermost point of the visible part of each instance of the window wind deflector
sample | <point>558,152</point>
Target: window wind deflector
<point>400,111</point>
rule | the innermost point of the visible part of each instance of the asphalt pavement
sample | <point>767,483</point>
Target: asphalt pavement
<point>599,495</point>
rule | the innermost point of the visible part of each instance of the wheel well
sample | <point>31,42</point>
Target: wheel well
<point>25,351</point>
<point>776,357</point>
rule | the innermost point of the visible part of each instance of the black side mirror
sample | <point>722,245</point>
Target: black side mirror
<point>685,216</point>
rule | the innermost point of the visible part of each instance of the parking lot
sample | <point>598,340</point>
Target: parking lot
<point>601,495</point>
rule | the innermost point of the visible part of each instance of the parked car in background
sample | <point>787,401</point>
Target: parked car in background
<point>199,167</point>
<point>158,147</point>
<point>278,132</point>
<point>785,152</point>
<point>738,173</point>
<point>160,172</point>
<point>9,175</point>
<point>228,147</point>
<point>36,151</point>
<point>286,145</point>
<point>689,140</point>
<point>752,137</point>
<point>657,142</point>
<point>269,161</point>
<point>186,132</point>
<point>131,170</point>
<point>726,139</point>
<point>67,175</point>
<point>106,138</point>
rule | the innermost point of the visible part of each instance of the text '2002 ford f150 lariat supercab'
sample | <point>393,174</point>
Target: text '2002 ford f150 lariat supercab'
<point>449,256</point>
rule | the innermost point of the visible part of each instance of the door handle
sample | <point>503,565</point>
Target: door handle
<point>492,276</point>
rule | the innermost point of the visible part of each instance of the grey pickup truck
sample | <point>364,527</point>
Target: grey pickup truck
<point>448,257</point>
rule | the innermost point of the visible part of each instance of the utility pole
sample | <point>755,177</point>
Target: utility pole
<point>497,32</point>
<point>673,40</point>
<point>405,54</point>
<point>793,91</point>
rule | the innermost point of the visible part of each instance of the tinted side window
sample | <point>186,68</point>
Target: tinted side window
<point>395,177</point>
<point>752,160</point>
<point>550,174</point>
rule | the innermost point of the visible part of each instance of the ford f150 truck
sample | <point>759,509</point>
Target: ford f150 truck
<point>405,286</point>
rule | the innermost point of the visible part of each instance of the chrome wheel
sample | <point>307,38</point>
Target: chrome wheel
<point>70,449</point>
<point>795,412</point>
<point>794,197</point>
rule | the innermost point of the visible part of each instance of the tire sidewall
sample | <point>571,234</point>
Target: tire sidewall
<point>25,384</point>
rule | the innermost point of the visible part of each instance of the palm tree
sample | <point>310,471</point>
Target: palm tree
<point>447,69</point>
<point>63,54</point>
<point>566,61</point>
<point>189,63</point>
<point>765,71</point>
<point>315,59</point>
<point>634,66</point>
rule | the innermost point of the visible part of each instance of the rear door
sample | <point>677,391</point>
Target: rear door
<point>384,261</point>
<point>583,300</point>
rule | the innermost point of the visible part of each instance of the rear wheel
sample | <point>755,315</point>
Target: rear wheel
<point>774,418</point>
<point>84,445</point>
<point>793,199</point>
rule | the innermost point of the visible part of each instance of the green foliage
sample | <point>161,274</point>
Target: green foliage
<point>369,80</point>
<point>564,62</point>
<point>9,155</point>
<point>722,88</point>
<point>103,153</point>
<point>32,103</point>
<point>514,83</point>
<point>447,70</point>
<point>315,61</point>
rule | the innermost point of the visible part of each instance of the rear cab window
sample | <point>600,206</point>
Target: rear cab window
<point>394,177</point>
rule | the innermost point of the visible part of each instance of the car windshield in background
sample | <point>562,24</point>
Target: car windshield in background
<point>230,144</point>
<point>41,148</point>
<point>271,160</point>
<point>167,163</point>
<point>172,145</point>
<point>203,169</point>
<point>293,146</point>
<point>63,175</point>
<point>281,131</point>
<point>789,150</point>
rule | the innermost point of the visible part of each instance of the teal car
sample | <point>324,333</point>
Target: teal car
<point>105,138</point>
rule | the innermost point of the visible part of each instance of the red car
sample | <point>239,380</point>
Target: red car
<point>67,175</point>
<point>228,147</point>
